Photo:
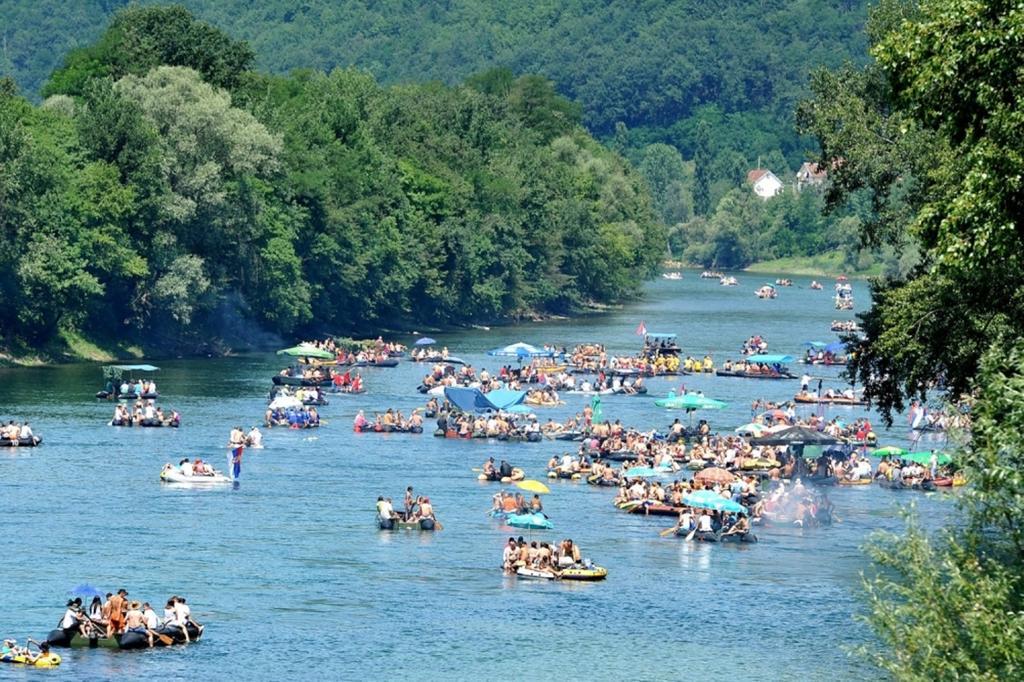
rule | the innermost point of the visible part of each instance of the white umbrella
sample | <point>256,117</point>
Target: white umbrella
<point>283,402</point>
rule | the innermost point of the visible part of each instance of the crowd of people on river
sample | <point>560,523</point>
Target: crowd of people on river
<point>117,615</point>
<point>305,417</point>
<point>13,434</point>
<point>540,556</point>
<point>391,420</point>
<point>144,413</point>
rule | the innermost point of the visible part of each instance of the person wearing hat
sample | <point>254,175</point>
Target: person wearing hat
<point>136,622</point>
<point>118,606</point>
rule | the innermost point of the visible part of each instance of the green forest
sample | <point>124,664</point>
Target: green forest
<point>694,95</point>
<point>164,187</point>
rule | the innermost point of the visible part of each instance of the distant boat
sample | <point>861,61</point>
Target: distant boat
<point>672,275</point>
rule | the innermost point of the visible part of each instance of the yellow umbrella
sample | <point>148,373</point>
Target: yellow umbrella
<point>533,486</point>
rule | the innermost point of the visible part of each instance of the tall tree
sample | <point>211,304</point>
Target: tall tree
<point>702,159</point>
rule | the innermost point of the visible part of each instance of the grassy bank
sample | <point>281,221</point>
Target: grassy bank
<point>67,346</point>
<point>824,265</point>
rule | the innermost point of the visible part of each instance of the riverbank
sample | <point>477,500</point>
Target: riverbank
<point>828,265</point>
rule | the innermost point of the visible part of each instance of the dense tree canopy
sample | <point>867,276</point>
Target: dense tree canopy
<point>932,132</point>
<point>142,196</point>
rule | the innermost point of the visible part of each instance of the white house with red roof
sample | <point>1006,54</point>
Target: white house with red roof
<point>765,183</point>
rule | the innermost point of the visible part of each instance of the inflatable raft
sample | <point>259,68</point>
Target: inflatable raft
<point>585,574</point>
<point>386,428</point>
<point>533,573</point>
<point>147,423</point>
<point>828,401</point>
<point>21,442</point>
<point>517,475</point>
<point>752,375</point>
<point>399,524</point>
<point>570,475</point>
<point>857,481</point>
<point>175,476</point>
<point>130,395</point>
<point>127,640</point>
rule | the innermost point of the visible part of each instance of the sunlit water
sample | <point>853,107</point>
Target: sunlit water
<point>292,578</point>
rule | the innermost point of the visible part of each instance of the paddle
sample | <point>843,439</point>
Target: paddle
<point>692,533</point>
<point>164,639</point>
<point>668,531</point>
<point>437,524</point>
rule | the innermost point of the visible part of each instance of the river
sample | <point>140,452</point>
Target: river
<point>292,577</point>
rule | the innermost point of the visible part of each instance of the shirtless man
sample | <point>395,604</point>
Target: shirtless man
<point>115,619</point>
<point>134,621</point>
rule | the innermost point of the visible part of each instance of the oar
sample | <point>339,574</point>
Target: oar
<point>164,639</point>
<point>668,531</point>
<point>692,533</point>
<point>437,524</point>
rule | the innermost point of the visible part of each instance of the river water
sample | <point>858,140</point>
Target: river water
<point>292,578</point>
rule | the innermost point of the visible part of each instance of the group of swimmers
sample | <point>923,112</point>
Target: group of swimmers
<point>293,417</point>
<point>117,615</point>
<point>144,413</point>
<point>16,434</point>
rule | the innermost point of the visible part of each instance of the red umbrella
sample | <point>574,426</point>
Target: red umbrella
<point>714,475</point>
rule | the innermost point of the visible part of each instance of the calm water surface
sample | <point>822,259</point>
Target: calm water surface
<point>292,578</point>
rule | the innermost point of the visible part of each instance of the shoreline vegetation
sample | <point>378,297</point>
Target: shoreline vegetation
<point>167,196</point>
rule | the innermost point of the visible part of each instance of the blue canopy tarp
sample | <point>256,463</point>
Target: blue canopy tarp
<point>817,345</point>
<point>520,350</point>
<point>836,347</point>
<point>474,400</point>
<point>425,341</point>
<point>504,398</point>
<point>770,359</point>
<point>529,521</point>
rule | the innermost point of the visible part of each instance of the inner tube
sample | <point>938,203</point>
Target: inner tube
<point>48,661</point>
<point>534,437</point>
<point>738,537</point>
<point>705,536</point>
<point>385,524</point>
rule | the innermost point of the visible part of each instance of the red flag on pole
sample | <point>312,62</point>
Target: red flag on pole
<point>642,329</point>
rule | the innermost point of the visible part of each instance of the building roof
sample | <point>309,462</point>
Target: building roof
<point>757,174</point>
<point>812,170</point>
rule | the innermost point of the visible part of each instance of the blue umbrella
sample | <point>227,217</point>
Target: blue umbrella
<point>84,590</point>
<point>425,341</point>
<point>836,347</point>
<point>530,521</point>
<point>709,499</point>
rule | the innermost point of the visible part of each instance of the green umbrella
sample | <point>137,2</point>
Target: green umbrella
<point>307,352</point>
<point>889,451</point>
<point>925,458</point>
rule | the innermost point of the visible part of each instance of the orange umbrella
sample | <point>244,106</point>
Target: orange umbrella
<point>714,475</point>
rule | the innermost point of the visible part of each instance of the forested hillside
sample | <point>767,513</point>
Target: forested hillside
<point>695,94</point>
<point>164,187</point>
